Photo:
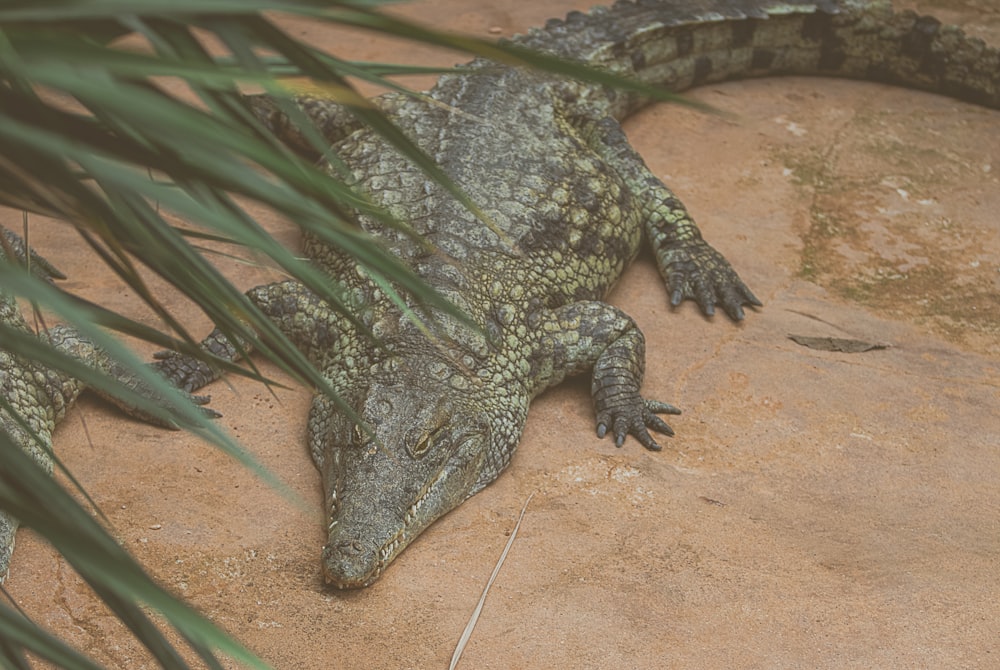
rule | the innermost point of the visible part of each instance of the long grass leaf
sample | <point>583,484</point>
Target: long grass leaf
<point>471,625</point>
<point>30,494</point>
<point>20,634</point>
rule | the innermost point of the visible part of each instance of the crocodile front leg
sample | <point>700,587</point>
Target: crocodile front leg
<point>595,335</point>
<point>301,315</point>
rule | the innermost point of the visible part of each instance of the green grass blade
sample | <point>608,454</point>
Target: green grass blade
<point>19,634</point>
<point>30,494</point>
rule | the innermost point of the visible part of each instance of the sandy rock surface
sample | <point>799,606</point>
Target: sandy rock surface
<point>816,509</point>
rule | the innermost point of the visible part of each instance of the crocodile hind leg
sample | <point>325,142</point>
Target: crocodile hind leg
<point>690,267</point>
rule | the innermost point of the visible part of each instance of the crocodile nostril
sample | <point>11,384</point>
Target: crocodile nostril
<point>347,548</point>
<point>350,564</point>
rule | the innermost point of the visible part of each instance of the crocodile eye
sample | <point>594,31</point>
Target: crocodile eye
<point>419,447</point>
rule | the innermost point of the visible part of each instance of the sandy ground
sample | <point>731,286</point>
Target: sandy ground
<point>816,509</point>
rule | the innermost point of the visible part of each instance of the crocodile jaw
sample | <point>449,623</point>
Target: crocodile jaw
<point>375,514</point>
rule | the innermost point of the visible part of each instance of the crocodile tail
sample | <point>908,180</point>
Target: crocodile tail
<point>680,44</point>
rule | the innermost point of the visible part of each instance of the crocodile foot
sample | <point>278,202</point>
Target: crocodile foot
<point>696,270</point>
<point>186,373</point>
<point>630,414</point>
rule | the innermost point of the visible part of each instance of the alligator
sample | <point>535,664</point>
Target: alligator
<point>33,397</point>
<point>438,404</point>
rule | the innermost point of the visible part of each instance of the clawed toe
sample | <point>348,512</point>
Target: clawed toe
<point>701,273</point>
<point>637,420</point>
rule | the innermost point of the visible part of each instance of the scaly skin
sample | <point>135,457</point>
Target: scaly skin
<point>547,161</point>
<point>41,396</point>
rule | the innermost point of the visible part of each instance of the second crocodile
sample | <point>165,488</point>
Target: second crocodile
<point>34,397</point>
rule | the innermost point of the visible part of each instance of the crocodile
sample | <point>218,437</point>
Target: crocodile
<point>35,398</point>
<point>438,405</point>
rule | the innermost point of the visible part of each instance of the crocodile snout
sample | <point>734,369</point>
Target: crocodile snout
<point>350,564</point>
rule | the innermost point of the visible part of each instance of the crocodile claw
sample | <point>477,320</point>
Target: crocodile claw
<point>700,272</point>
<point>201,401</point>
<point>198,400</point>
<point>636,418</point>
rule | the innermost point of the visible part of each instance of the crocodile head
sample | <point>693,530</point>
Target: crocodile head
<point>426,453</point>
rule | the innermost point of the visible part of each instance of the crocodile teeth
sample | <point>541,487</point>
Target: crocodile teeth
<point>388,550</point>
